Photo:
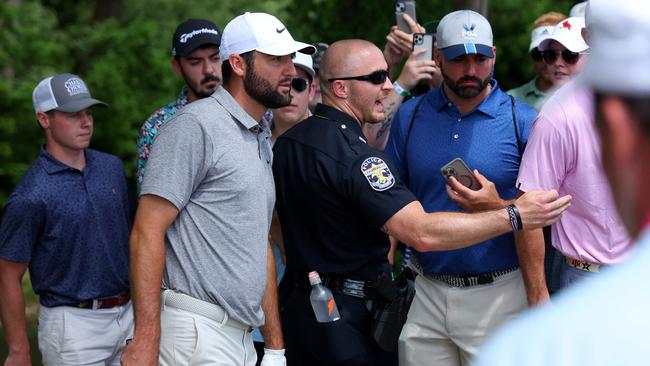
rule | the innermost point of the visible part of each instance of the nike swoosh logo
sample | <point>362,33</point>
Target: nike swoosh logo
<point>280,30</point>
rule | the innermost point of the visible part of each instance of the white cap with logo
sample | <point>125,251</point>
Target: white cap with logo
<point>464,32</point>
<point>620,38</point>
<point>568,33</point>
<point>259,32</point>
<point>539,34</point>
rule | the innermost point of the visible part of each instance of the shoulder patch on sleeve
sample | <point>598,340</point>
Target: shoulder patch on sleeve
<point>377,173</point>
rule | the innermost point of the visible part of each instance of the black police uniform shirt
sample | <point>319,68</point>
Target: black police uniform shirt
<point>334,194</point>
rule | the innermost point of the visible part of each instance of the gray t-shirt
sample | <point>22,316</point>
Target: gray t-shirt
<point>213,162</point>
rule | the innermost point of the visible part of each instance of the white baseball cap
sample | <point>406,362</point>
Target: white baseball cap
<point>620,38</point>
<point>464,32</point>
<point>578,10</point>
<point>260,32</point>
<point>539,34</point>
<point>305,62</point>
<point>568,33</point>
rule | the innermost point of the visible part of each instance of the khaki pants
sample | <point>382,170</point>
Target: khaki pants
<point>447,325</point>
<point>73,336</point>
<point>187,338</point>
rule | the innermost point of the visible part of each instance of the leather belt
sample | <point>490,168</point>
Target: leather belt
<point>468,281</point>
<point>200,307</point>
<point>105,303</point>
<point>583,265</point>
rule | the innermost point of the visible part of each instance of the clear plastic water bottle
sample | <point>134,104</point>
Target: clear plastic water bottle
<point>322,300</point>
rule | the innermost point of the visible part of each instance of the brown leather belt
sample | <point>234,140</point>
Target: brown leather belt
<point>106,303</point>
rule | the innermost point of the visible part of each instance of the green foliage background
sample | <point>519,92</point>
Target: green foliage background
<point>126,59</point>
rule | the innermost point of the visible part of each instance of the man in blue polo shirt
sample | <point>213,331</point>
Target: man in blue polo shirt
<point>464,294</point>
<point>67,220</point>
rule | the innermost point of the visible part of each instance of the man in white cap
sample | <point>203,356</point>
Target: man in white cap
<point>535,92</point>
<point>195,58</point>
<point>303,91</point>
<point>201,229</point>
<point>463,295</point>
<point>68,221</point>
<point>563,153</point>
<point>603,321</point>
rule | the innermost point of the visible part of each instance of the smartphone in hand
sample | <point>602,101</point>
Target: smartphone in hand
<point>423,40</point>
<point>459,170</point>
<point>404,7</point>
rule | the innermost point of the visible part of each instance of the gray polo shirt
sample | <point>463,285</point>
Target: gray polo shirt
<point>213,162</point>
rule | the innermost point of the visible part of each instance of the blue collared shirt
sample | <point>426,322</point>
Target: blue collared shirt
<point>72,227</point>
<point>485,139</point>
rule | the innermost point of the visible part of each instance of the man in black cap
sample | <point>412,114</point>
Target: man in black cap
<point>195,58</point>
<point>68,221</point>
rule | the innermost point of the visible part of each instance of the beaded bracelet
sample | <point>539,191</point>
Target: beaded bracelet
<point>515,218</point>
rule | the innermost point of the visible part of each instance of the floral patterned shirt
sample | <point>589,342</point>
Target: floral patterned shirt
<point>150,129</point>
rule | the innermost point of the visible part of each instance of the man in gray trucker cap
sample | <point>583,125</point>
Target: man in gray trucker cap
<point>67,220</point>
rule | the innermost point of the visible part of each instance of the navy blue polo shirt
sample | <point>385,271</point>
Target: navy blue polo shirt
<point>334,194</point>
<point>485,139</point>
<point>72,227</point>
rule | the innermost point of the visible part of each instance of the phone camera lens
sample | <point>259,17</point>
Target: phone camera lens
<point>450,172</point>
<point>400,7</point>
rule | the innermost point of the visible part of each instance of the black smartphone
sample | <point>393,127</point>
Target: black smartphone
<point>424,40</point>
<point>404,7</point>
<point>459,170</point>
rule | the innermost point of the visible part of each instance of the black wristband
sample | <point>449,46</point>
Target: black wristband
<point>515,218</point>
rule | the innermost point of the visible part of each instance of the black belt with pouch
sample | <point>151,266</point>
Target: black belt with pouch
<point>392,300</point>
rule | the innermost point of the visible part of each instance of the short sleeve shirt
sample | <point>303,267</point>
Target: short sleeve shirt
<point>213,162</point>
<point>72,227</point>
<point>564,154</point>
<point>334,194</point>
<point>150,129</point>
<point>486,139</point>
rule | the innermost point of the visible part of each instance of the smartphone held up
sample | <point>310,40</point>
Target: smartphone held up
<point>404,7</point>
<point>424,41</point>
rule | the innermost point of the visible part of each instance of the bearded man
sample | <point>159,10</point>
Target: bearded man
<point>463,295</point>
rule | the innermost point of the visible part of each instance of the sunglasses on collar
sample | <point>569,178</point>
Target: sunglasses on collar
<point>376,77</point>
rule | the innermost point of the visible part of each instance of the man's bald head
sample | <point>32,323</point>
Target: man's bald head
<point>345,58</point>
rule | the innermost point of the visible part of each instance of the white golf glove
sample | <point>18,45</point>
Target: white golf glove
<point>273,357</point>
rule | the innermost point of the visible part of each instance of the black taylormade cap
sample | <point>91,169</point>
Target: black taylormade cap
<point>192,34</point>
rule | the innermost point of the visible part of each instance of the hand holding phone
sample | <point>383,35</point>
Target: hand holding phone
<point>404,7</point>
<point>423,41</point>
<point>459,170</point>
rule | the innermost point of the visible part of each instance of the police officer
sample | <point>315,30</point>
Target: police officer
<point>337,198</point>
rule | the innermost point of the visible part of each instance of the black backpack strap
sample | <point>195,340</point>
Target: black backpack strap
<point>408,133</point>
<point>520,147</point>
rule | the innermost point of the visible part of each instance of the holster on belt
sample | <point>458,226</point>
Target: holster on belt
<point>392,300</point>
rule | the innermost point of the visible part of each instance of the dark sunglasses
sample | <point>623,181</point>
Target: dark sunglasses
<point>377,77</point>
<point>550,56</point>
<point>299,84</point>
<point>536,54</point>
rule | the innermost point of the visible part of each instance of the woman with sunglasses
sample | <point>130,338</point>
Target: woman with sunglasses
<point>564,51</point>
<point>536,91</point>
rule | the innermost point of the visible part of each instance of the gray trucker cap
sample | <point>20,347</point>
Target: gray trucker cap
<point>63,92</point>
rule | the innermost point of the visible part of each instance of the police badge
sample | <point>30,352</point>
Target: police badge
<point>377,173</point>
